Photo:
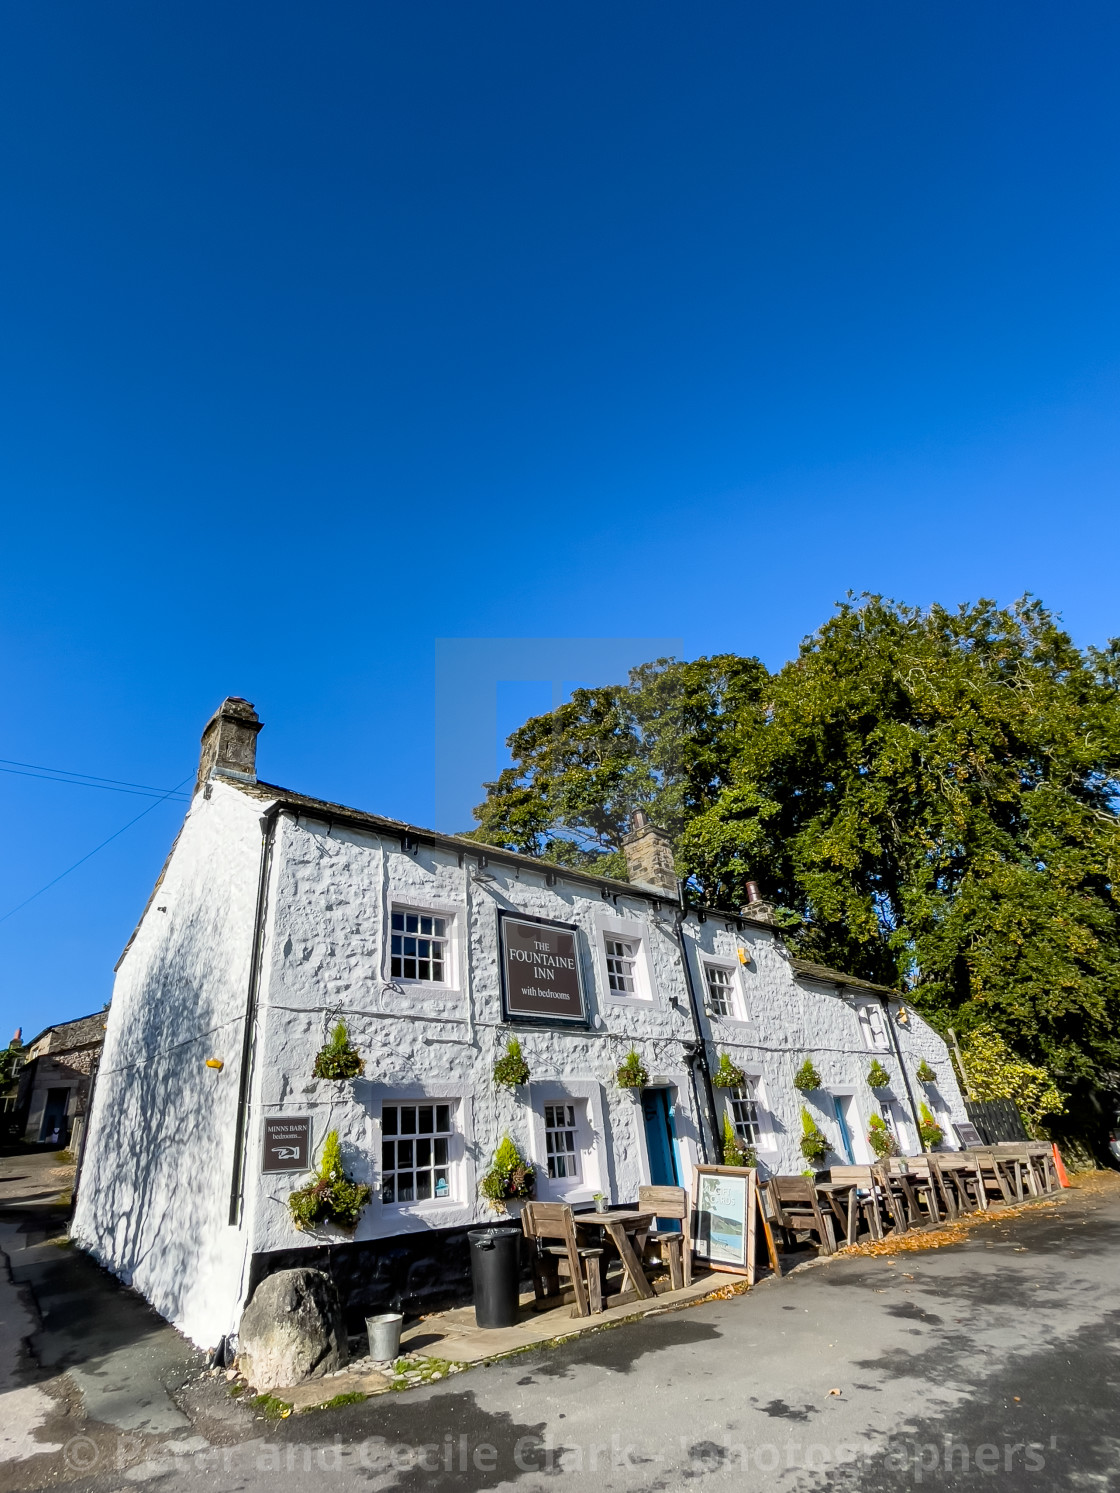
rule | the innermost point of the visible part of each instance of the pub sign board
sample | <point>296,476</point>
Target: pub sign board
<point>287,1143</point>
<point>540,970</point>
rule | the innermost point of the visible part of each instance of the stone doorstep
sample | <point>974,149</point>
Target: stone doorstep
<point>313,1394</point>
<point>454,1336</point>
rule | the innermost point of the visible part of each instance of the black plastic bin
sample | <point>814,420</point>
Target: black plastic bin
<point>496,1273</point>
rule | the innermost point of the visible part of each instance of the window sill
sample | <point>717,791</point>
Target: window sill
<point>419,987</point>
<point>427,1205</point>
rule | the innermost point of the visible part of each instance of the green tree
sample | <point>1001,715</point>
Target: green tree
<point>930,796</point>
<point>935,794</point>
<point>8,1058</point>
<point>664,742</point>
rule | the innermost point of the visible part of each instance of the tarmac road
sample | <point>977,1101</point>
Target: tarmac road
<point>991,1364</point>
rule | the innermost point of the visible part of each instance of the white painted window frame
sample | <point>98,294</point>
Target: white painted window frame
<point>426,906</point>
<point>874,1041</point>
<point>432,1212</point>
<point>632,930</point>
<point>739,1015</point>
<point>767,1147</point>
<point>594,1162</point>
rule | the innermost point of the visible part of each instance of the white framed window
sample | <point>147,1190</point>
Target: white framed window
<point>567,1142</point>
<point>719,980</point>
<point>622,953</point>
<point>873,1025</point>
<point>743,1108</point>
<point>560,1141</point>
<point>420,947</point>
<point>417,1151</point>
<point>722,993</point>
<point>622,957</point>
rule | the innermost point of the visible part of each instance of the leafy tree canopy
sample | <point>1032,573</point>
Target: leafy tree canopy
<point>933,793</point>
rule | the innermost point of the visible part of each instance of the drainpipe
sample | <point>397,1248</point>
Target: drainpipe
<point>268,825</point>
<point>902,1066</point>
<point>696,1053</point>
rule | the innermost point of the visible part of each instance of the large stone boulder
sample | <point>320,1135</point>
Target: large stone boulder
<point>291,1330</point>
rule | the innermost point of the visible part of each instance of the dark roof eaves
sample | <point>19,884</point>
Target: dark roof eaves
<point>342,812</point>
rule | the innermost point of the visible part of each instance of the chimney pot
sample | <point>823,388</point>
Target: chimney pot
<point>229,742</point>
<point>753,894</point>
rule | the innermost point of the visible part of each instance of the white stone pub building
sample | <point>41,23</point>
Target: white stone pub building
<point>277,915</point>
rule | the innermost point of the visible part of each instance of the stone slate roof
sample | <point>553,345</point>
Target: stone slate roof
<point>458,844</point>
<point>805,969</point>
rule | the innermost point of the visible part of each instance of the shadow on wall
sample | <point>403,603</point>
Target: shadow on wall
<point>154,1192</point>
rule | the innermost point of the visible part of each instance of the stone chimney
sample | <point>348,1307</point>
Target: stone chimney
<point>756,907</point>
<point>649,857</point>
<point>229,742</point>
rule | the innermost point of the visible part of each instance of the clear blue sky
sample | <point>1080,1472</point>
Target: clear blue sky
<point>330,331</point>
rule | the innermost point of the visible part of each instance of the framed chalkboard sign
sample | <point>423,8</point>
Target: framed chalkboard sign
<point>725,1206</point>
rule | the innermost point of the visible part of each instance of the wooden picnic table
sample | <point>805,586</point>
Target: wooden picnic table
<point>838,1196</point>
<point>622,1226</point>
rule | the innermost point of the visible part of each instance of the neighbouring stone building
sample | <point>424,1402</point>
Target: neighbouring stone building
<point>277,915</point>
<point>54,1081</point>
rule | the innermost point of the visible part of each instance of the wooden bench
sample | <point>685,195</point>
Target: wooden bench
<point>541,1222</point>
<point>671,1247</point>
<point>796,1209</point>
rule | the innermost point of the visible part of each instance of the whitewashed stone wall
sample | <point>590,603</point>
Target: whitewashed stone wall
<point>154,1194</point>
<point>333,892</point>
<point>785,1019</point>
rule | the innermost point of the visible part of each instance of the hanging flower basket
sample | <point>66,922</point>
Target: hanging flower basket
<point>331,1197</point>
<point>879,1138</point>
<point>511,1070</point>
<point>807,1079</point>
<point>877,1076</point>
<point>814,1143</point>
<point>510,1176</point>
<point>338,1058</point>
<point>727,1075</point>
<point>631,1072</point>
<point>926,1074</point>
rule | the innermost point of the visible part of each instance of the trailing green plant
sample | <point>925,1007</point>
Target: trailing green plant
<point>632,1072</point>
<point>338,1058</point>
<point>814,1143</point>
<point>807,1078</point>
<point>510,1176</point>
<point>879,1138</point>
<point>995,1072</point>
<point>734,1152</point>
<point>926,1074</point>
<point>331,1197</point>
<point>511,1069</point>
<point>877,1076</point>
<point>727,1075</point>
<point>929,1130</point>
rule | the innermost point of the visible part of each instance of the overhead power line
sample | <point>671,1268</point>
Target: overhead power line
<point>171,792</point>
<point>84,780</point>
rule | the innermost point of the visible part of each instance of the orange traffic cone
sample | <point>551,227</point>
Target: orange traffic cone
<point>1062,1178</point>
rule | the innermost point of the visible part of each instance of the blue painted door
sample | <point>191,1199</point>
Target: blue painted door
<point>659,1138</point>
<point>845,1132</point>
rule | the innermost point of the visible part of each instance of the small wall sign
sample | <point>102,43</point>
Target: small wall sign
<point>967,1134</point>
<point>287,1143</point>
<point>540,971</point>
